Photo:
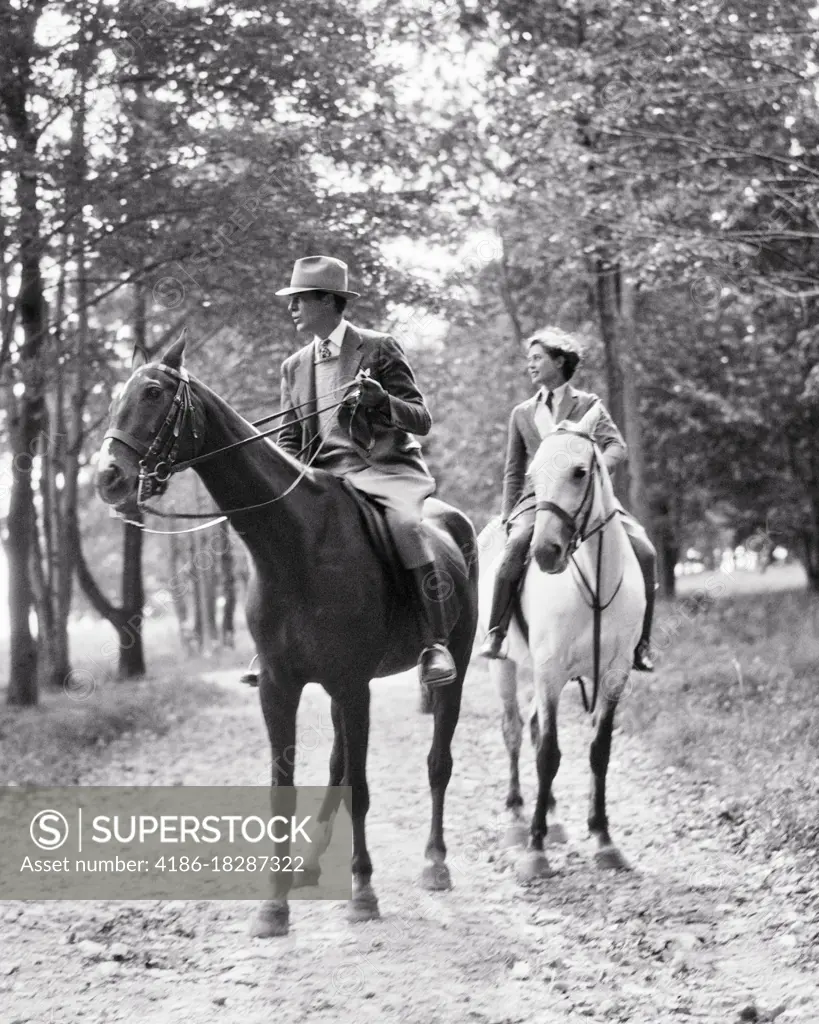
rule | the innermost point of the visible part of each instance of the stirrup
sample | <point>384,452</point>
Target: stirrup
<point>450,676</point>
<point>250,677</point>
<point>487,650</point>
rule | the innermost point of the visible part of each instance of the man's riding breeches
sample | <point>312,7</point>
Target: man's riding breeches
<point>401,494</point>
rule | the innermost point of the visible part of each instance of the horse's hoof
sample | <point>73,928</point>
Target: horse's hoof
<point>363,906</point>
<point>533,866</point>
<point>610,859</point>
<point>515,835</point>
<point>436,878</point>
<point>271,921</point>
<point>557,833</point>
<point>307,878</point>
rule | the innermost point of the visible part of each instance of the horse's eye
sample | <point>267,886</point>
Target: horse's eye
<point>153,391</point>
<point>579,472</point>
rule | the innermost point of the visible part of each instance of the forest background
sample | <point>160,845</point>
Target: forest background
<point>646,175</point>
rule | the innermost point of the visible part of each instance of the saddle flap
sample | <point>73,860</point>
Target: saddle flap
<point>440,584</point>
<point>375,526</point>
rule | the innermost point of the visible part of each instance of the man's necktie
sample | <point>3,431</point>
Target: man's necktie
<point>324,349</point>
<point>548,403</point>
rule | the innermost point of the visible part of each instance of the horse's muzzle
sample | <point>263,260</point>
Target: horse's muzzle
<point>112,484</point>
<point>550,557</point>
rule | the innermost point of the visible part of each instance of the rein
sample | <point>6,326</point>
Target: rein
<point>580,536</point>
<point>168,436</point>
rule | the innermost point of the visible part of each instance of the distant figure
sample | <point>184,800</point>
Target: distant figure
<point>552,358</point>
<point>368,441</point>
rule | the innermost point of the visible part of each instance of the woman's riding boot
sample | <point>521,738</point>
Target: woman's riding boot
<point>437,667</point>
<point>642,652</point>
<point>499,617</point>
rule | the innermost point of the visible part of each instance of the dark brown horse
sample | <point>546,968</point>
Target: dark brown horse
<point>323,606</point>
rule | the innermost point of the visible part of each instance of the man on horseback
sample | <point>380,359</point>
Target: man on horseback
<point>368,439</point>
<point>552,358</point>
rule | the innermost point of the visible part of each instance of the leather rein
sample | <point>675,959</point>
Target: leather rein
<point>164,448</point>
<point>579,536</point>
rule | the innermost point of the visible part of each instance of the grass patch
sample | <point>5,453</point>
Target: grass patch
<point>735,701</point>
<point>55,742</point>
<point>69,730</point>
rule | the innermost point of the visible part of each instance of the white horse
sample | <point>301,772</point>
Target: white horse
<point>582,602</point>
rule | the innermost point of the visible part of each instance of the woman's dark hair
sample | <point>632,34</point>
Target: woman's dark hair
<point>558,343</point>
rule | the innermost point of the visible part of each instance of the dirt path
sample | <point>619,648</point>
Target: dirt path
<point>693,933</point>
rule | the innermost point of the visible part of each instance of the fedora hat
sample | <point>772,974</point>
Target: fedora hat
<point>319,274</point>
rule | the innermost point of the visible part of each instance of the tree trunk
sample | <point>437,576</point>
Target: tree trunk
<point>178,592</point>
<point>668,550</point>
<point>210,588</point>
<point>199,588</point>
<point>53,643</point>
<point>810,549</point>
<point>508,298</point>
<point>132,664</point>
<point>208,569</point>
<point>65,446</point>
<point>49,650</point>
<point>131,657</point>
<point>228,585</point>
<point>27,416</point>
<point>127,620</point>
<point>8,307</point>
<point>129,630</point>
<point>22,687</point>
<point>607,278</point>
<point>52,615</point>
<point>632,425</point>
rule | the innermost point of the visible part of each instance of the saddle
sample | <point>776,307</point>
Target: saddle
<point>382,542</point>
<point>375,526</point>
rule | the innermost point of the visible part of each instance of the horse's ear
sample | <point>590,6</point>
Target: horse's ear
<point>590,418</point>
<point>138,358</point>
<point>175,354</point>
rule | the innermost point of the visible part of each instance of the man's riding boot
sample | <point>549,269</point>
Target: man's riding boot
<point>437,667</point>
<point>499,618</point>
<point>642,655</point>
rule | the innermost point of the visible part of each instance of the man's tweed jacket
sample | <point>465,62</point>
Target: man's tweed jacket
<point>383,440</point>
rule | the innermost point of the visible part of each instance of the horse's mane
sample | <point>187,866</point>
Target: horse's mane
<point>246,428</point>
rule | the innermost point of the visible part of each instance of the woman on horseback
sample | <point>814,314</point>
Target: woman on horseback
<point>552,358</point>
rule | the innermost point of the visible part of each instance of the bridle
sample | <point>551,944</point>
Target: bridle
<point>578,527</point>
<point>164,448</point>
<point>158,463</point>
